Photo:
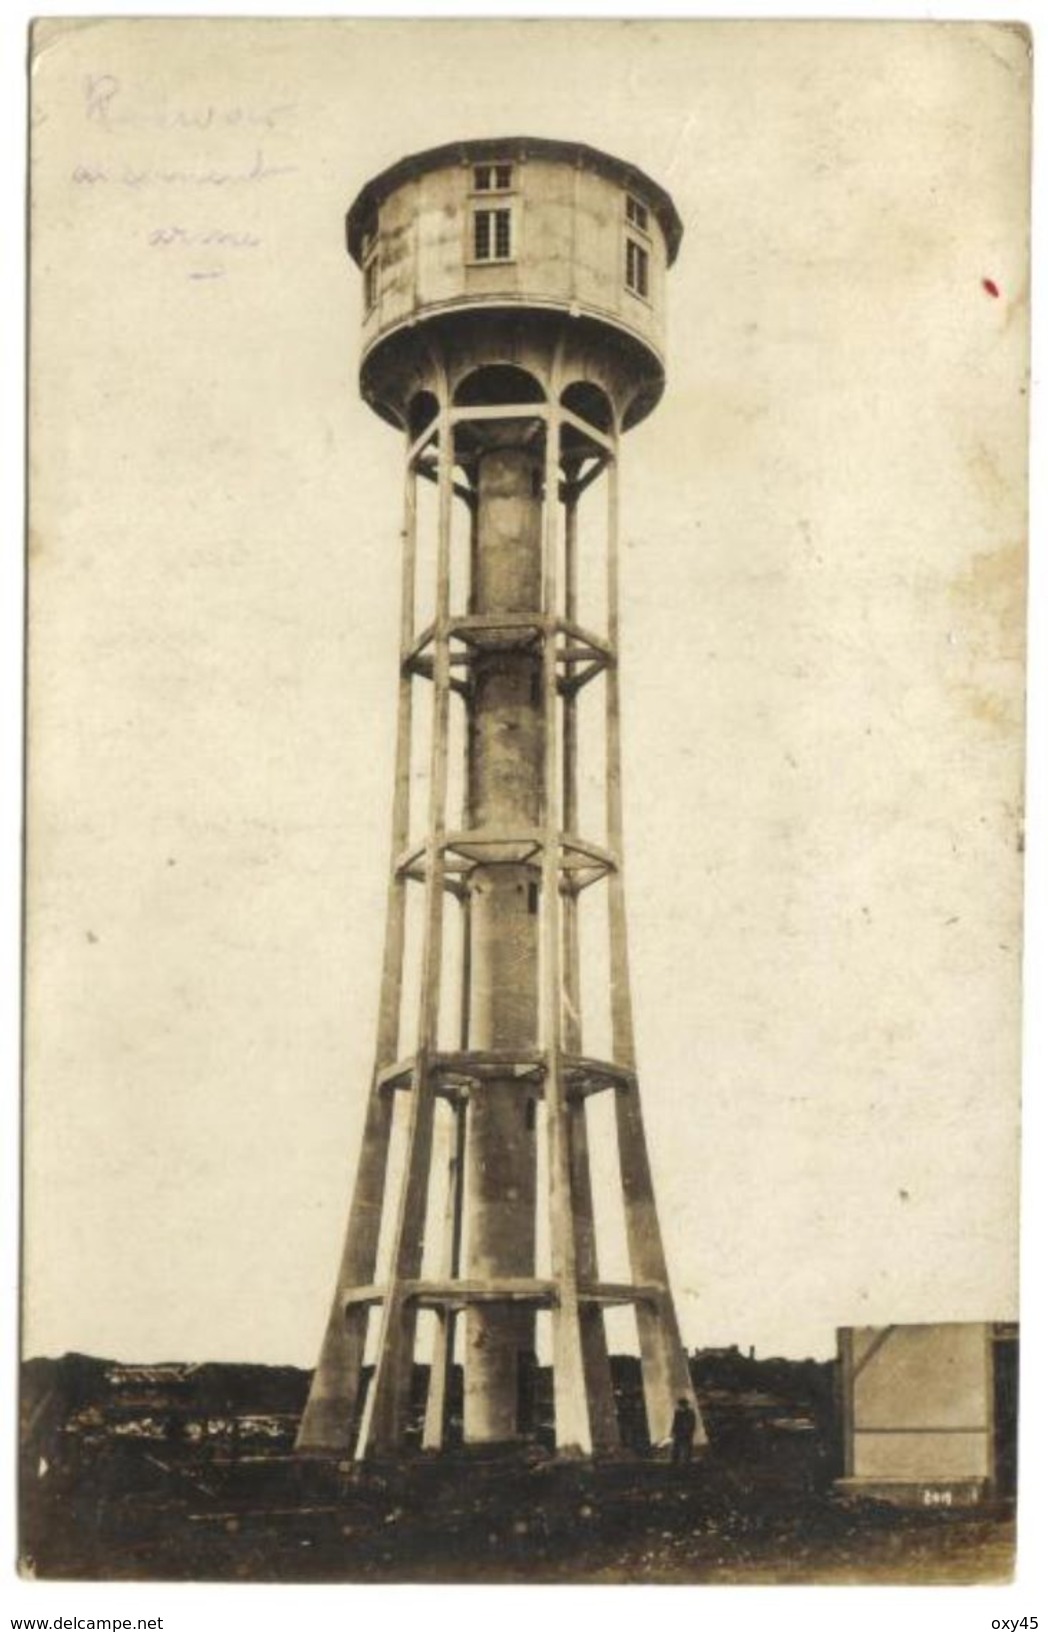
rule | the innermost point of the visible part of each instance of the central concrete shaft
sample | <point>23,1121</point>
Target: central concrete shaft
<point>505,783</point>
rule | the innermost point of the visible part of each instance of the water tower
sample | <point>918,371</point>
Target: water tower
<point>513,328</point>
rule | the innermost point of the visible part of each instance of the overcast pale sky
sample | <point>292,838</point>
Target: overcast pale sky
<point>823,617</point>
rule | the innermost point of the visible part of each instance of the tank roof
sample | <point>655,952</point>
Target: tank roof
<point>490,148</point>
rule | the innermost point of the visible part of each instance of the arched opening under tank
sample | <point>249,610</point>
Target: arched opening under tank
<point>498,385</point>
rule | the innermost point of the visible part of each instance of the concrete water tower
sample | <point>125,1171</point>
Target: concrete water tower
<point>514,295</point>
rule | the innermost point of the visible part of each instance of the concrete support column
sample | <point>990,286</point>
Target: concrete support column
<point>603,1417</point>
<point>444,1343</point>
<point>571,1412</point>
<point>505,776</point>
<point>385,1417</point>
<point>443,1355</point>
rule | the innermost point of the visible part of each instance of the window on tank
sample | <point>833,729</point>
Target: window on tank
<point>636,212</point>
<point>493,235</point>
<point>492,178</point>
<point>636,267</point>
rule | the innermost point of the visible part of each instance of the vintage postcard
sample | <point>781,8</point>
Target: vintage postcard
<point>525,714</point>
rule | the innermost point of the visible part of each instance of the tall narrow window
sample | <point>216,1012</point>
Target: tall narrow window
<point>636,267</point>
<point>492,235</point>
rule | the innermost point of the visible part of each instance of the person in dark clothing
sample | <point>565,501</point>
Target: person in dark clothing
<point>682,1432</point>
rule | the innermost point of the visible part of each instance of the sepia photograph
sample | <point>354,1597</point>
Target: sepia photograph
<point>524,833</point>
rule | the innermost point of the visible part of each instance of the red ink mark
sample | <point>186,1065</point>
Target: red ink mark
<point>990,287</point>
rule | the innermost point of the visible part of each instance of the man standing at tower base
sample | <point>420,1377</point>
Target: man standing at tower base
<point>682,1433</point>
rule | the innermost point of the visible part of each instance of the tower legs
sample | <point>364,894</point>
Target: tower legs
<point>433,1427</point>
<point>386,1414</point>
<point>327,1423</point>
<point>604,1422</point>
<point>519,658</point>
<point>385,1417</point>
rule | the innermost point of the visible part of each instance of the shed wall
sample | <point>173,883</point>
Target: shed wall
<point>918,1401</point>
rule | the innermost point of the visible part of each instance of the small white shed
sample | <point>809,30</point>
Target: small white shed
<point>928,1412</point>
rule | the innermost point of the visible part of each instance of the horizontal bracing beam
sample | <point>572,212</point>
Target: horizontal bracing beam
<point>542,1294</point>
<point>602,445</point>
<point>465,1068</point>
<point>490,846</point>
<point>468,628</point>
<point>499,410</point>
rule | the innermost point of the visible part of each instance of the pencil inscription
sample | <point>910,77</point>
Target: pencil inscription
<point>106,107</point>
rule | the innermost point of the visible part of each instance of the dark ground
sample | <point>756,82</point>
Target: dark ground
<point>185,1473</point>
